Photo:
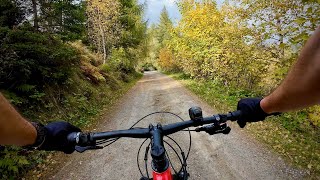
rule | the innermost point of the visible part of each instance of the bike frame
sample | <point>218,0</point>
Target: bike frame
<point>166,175</point>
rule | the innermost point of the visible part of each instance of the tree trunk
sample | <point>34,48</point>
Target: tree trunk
<point>35,14</point>
<point>62,17</point>
<point>103,38</point>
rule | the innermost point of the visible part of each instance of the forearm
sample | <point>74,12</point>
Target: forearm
<point>14,129</point>
<point>301,87</point>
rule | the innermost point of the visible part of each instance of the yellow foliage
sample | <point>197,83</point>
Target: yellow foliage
<point>205,45</point>
<point>314,115</point>
<point>166,60</point>
<point>92,73</point>
<point>87,55</point>
<point>89,62</point>
<point>236,44</point>
<point>103,24</point>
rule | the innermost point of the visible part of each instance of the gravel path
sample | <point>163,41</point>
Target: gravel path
<point>233,156</point>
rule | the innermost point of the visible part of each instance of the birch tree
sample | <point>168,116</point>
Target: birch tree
<point>103,25</point>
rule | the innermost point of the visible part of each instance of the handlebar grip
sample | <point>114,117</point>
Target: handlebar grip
<point>81,139</point>
<point>235,115</point>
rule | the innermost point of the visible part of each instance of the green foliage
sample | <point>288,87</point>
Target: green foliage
<point>164,28</point>
<point>48,78</point>
<point>30,60</point>
<point>29,63</point>
<point>148,67</point>
<point>14,161</point>
<point>105,68</point>
<point>134,28</point>
<point>78,102</point>
<point>65,18</point>
<point>132,47</point>
<point>72,26</point>
<point>11,162</point>
<point>10,13</point>
<point>120,61</point>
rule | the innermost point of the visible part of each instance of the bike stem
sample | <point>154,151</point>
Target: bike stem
<point>160,162</point>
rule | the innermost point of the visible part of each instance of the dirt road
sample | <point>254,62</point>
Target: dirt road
<point>233,156</point>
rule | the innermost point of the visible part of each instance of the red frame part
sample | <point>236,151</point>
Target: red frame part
<point>166,175</point>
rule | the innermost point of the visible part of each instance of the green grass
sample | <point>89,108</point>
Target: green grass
<point>288,134</point>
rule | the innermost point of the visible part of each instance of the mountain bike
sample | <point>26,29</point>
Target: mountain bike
<point>161,163</point>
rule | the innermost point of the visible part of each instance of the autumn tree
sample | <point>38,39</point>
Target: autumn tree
<point>166,60</point>
<point>282,22</point>
<point>207,44</point>
<point>104,26</point>
<point>281,28</point>
<point>246,46</point>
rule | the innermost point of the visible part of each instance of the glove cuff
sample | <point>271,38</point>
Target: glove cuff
<point>41,136</point>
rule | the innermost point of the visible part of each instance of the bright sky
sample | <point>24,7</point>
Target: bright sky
<point>154,8</point>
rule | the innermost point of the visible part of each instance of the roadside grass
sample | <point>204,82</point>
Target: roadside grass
<point>81,103</point>
<point>85,113</point>
<point>288,135</point>
<point>84,102</point>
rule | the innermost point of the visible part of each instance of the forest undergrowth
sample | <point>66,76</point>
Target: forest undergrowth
<point>66,60</point>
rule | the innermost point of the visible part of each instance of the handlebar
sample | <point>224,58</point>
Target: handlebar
<point>89,139</point>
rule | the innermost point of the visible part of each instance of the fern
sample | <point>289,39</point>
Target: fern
<point>26,88</point>
<point>11,162</point>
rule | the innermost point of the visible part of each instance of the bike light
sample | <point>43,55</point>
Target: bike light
<point>195,113</point>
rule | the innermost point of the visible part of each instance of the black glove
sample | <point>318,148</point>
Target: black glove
<point>251,111</point>
<point>55,137</point>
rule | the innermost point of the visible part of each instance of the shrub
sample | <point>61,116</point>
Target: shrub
<point>120,61</point>
<point>148,67</point>
<point>30,60</point>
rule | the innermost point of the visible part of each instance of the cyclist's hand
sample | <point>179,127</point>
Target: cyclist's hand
<point>56,137</point>
<point>251,111</point>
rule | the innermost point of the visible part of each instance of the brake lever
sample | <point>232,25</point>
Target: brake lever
<point>81,149</point>
<point>215,129</point>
